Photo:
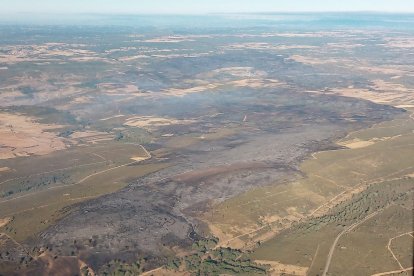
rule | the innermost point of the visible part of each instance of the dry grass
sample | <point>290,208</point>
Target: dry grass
<point>311,60</point>
<point>384,151</point>
<point>92,137</point>
<point>4,221</point>
<point>37,209</point>
<point>365,248</point>
<point>168,39</point>
<point>381,92</point>
<point>46,52</point>
<point>277,268</point>
<point>400,42</point>
<point>151,122</point>
<point>23,136</point>
<point>4,169</point>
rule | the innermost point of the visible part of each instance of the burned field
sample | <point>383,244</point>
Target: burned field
<point>160,139</point>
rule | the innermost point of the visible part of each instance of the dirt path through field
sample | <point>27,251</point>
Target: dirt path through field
<point>392,272</point>
<point>350,228</point>
<point>314,258</point>
<point>80,181</point>
<point>390,250</point>
<point>57,170</point>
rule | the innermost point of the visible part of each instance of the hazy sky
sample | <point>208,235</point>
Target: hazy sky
<point>200,6</point>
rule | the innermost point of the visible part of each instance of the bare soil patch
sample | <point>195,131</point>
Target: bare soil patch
<point>23,136</point>
<point>4,221</point>
<point>151,122</point>
<point>91,136</point>
<point>278,268</point>
<point>4,169</point>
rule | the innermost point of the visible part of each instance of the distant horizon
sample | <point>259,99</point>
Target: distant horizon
<point>211,13</point>
<point>218,19</point>
<point>196,7</point>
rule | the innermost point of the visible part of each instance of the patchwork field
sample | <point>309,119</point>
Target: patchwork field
<point>35,200</point>
<point>329,178</point>
<point>217,145</point>
<point>22,136</point>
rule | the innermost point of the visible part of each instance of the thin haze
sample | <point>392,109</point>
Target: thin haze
<point>201,6</point>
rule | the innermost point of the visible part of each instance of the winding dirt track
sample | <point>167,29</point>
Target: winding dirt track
<point>313,259</point>
<point>57,170</point>
<point>350,228</point>
<point>147,273</point>
<point>392,272</point>
<point>83,179</point>
<point>67,185</point>
<point>390,250</point>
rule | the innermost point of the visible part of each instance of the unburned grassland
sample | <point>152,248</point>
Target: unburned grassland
<point>354,234</point>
